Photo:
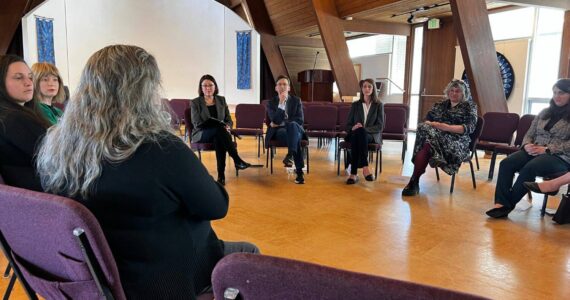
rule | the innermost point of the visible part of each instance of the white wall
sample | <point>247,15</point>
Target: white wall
<point>517,53</point>
<point>378,66</point>
<point>188,38</point>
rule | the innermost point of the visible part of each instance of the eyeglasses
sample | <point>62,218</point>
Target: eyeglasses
<point>207,85</point>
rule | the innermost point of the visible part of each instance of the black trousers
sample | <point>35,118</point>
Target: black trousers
<point>358,154</point>
<point>292,134</point>
<point>528,166</point>
<point>223,143</point>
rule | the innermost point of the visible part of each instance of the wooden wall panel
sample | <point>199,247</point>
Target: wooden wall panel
<point>564,70</point>
<point>479,54</point>
<point>438,63</point>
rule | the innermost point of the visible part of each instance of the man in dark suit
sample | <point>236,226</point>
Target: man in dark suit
<point>286,115</point>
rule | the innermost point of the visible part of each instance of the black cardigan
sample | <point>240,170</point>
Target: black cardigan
<point>19,137</point>
<point>155,210</point>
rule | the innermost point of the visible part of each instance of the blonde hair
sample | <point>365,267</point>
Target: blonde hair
<point>42,70</point>
<point>115,109</point>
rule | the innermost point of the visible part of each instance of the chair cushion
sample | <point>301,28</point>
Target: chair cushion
<point>393,136</point>
<point>488,146</point>
<point>506,149</point>
<point>248,131</point>
<point>324,134</point>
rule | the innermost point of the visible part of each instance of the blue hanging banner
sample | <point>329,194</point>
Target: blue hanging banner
<point>44,29</point>
<point>243,60</point>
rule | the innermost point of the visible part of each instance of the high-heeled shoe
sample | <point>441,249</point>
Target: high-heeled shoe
<point>221,180</point>
<point>242,165</point>
<point>534,187</point>
<point>499,212</point>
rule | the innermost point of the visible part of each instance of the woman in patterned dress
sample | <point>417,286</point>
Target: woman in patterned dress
<point>443,139</point>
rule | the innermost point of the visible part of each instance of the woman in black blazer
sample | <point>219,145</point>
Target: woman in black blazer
<point>364,125</point>
<point>210,105</point>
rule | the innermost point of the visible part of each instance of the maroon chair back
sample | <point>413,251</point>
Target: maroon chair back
<point>322,117</point>
<point>250,116</point>
<point>395,123</point>
<point>179,106</point>
<point>404,106</point>
<point>342,118</point>
<point>42,232</point>
<point>499,127</point>
<point>255,277</point>
<point>188,120</point>
<point>524,125</point>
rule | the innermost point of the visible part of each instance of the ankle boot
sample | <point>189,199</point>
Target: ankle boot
<point>413,187</point>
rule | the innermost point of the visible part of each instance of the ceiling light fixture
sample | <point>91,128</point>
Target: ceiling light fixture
<point>411,18</point>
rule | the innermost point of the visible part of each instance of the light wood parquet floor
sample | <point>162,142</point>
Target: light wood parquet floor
<point>434,238</point>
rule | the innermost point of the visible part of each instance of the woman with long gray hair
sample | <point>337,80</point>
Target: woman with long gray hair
<point>113,151</point>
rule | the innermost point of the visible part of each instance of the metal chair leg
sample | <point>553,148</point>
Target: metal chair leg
<point>10,287</point>
<point>200,155</point>
<point>436,173</point>
<point>7,271</point>
<point>492,166</point>
<point>307,151</point>
<point>271,160</point>
<point>338,162</point>
<point>376,168</point>
<point>476,159</point>
<point>543,210</point>
<point>472,174</point>
<point>452,183</point>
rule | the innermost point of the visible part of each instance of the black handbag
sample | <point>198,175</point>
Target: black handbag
<point>562,215</point>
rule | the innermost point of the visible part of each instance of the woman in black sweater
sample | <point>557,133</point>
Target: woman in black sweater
<point>114,152</point>
<point>21,124</point>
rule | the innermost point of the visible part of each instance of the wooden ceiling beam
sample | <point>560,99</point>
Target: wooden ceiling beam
<point>479,54</point>
<point>332,34</point>
<point>376,27</point>
<point>260,21</point>
<point>351,7</point>
<point>11,13</point>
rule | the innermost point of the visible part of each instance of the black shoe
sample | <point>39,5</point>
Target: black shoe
<point>499,212</point>
<point>370,177</point>
<point>242,165</point>
<point>221,180</point>
<point>533,187</point>
<point>413,187</point>
<point>300,179</point>
<point>288,160</point>
<point>352,180</point>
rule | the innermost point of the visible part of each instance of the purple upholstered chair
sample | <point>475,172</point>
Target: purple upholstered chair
<point>499,129</point>
<point>254,277</point>
<point>323,122</point>
<point>56,247</point>
<point>522,128</point>
<point>395,125</point>
<point>178,107</point>
<point>249,121</point>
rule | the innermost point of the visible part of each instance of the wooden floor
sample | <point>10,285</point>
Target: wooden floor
<point>434,238</point>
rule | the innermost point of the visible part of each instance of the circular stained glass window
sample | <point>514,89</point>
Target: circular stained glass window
<point>507,75</point>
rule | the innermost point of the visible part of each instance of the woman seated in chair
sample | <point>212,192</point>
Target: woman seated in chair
<point>443,139</point>
<point>364,125</point>
<point>211,105</point>
<point>545,151</point>
<point>21,124</point>
<point>48,89</point>
<point>114,151</point>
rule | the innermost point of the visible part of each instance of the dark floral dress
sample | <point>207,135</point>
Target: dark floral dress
<point>448,149</point>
